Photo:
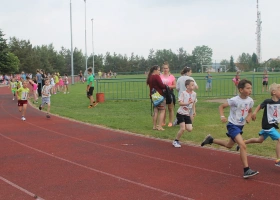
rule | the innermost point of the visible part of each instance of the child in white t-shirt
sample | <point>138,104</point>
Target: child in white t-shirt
<point>46,96</point>
<point>240,113</point>
<point>187,100</point>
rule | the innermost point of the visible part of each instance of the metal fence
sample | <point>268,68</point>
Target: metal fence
<point>136,88</point>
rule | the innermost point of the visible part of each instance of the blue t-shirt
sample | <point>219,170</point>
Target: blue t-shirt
<point>208,78</point>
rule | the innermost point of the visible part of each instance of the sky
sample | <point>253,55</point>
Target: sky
<point>228,27</point>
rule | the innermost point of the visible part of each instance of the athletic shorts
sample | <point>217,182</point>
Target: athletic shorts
<point>21,102</point>
<point>265,82</point>
<point>272,133</point>
<point>90,91</point>
<point>46,100</point>
<point>233,130</point>
<point>183,118</point>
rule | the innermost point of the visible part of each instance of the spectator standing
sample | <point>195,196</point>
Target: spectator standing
<point>39,82</point>
<point>169,80</point>
<point>154,81</point>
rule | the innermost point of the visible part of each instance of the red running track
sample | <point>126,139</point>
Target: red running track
<point>61,159</point>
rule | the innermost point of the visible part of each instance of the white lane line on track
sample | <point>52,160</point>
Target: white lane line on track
<point>143,155</point>
<point>99,171</point>
<point>22,189</point>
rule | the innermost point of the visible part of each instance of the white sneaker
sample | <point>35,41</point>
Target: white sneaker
<point>64,92</point>
<point>13,98</point>
<point>23,119</point>
<point>175,122</point>
<point>176,144</point>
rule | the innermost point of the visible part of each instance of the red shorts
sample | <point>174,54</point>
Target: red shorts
<point>21,102</point>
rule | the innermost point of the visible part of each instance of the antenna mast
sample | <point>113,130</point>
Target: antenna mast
<point>258,32</point>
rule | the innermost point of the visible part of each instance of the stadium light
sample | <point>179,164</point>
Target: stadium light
<point>72,64</point>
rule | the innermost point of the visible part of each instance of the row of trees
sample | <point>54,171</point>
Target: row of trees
<point>20,55</point>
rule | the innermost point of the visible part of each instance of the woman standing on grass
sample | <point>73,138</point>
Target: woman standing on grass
<point>265,81</point>
<point>169,80</point>
<point>154,81</point>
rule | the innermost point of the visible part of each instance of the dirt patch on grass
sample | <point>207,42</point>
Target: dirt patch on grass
<point>217,100</point>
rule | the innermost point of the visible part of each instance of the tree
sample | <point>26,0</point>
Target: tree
<point>13,63</point>
<point>231,65</point>
<point>203,55</point>
<point>4,56</point>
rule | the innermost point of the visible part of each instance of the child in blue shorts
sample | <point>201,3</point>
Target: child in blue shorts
<point>240,113</point>
<point>270,120</point>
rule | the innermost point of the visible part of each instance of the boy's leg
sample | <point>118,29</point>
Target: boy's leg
<point>181,130</point>
<point>255,140</point>
<point>277,162</point>
<point>243,151</point>
<point>228,144</point>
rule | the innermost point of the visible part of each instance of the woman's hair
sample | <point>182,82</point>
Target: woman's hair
<point>185,70</point>
<point>165,63</point>
<point>155,67</point>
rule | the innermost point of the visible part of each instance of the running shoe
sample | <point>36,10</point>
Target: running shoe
<point>250,173</point>
<point>277,163</point>
<point>40,107</point>
<point>23,118</point>
<point>237,148</point>
<point>208,140</point>
<point>90,106</point>
<point>175,122</point>
<point>48,116</point>
<point>176,143</point>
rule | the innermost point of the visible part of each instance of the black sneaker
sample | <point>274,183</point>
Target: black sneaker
<point>48,116</point>
<point>208,140</point>
<point>237,148</point>
<point>250,173</point>
<point>40,107</point>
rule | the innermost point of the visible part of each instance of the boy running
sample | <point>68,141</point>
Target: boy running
<point>240,113</point>
<point>22,96</point>
<point>187,102</point>
<point>270,120</point>
<point>46,97</point>
<point>13,85</point>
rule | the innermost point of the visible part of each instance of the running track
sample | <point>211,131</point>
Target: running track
<point>61,159</point>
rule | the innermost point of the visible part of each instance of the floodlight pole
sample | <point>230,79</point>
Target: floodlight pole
<point>92,49</point>
<point>86,32</point>
<point>72,64</point>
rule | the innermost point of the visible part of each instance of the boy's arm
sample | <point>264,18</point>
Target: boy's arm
<point>194,113</point>
<point>254,115</point>
<point>249,116</point>
<point>221,111</point>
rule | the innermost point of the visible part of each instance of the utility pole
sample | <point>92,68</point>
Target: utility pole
<point>258,32</point>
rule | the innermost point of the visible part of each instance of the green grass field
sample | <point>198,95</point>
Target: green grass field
<point>135,115</point>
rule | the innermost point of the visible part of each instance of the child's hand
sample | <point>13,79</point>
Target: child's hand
<point>224,119</point>
<point>194,114</point>
<point>248,119</point>
<point>254,117</point>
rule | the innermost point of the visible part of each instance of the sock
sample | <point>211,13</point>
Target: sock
<point>246,169</point>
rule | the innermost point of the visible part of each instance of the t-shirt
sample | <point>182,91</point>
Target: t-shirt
<point>56,79</point>
<point>90,79</point>
<point>239,109</point>
<point>208,78</point>
<point>185,97</point>
<point>22,93</point>
<point>46,90</point>
<point>271,114</point>
<point>180,85</point>
<point>13,85</point>
<point>39,78</point>
<point>167,80</point>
